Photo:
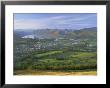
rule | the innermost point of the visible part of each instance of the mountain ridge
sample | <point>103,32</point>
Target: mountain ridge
<point>56,33</point>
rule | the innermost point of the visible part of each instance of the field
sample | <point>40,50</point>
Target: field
<point>56,73</point>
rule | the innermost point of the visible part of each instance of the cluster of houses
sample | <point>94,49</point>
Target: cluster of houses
<point>57,43</point>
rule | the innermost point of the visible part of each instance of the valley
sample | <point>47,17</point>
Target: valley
<point>54,52</point>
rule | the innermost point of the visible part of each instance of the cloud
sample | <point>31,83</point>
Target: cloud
<point>53,21</point>
<point>28,24</point>
<point>37,23</point>
<point>57,17</point>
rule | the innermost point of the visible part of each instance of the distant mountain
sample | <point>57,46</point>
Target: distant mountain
<point>84,33</point>
<point>23,32</point>
<point>56,33</point>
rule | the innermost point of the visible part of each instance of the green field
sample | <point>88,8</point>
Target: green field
<point>59,61</point>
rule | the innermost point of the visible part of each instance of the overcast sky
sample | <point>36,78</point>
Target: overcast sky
<point>54,20</point>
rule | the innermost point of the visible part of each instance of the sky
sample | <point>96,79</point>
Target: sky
<point>54,20</point>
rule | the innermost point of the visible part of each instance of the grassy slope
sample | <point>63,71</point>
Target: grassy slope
<point>57,73</point>
<point>71,65</point>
